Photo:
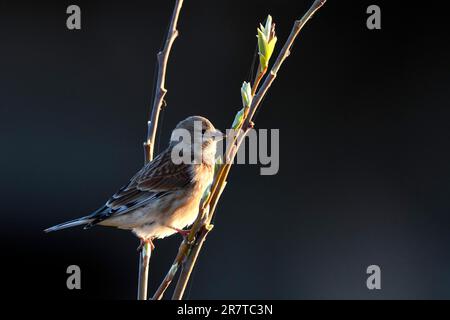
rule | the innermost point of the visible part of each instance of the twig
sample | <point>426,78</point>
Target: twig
<point>188,266</point>
<point>144,260</point>
<point>160,90</point>
<point>284,53</point>
<point>152,126</point>
<point>259,76</point>
<point>197,230</point>
<point>182,252</point>
<point>171,274</point>
<point>189,263</point>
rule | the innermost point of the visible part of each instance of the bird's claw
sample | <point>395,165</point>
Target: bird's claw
<point>144,242</point>
<point>182,232</point>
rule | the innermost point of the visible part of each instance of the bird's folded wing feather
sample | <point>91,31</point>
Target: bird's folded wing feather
<point>156,179</point>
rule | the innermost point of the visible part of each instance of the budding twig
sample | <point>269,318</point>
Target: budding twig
<point>284,53</point>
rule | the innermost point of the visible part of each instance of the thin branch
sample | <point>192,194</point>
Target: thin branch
<point>188,265</point>
<point>198,229</point>
<point>284,53</point>
<point>144,260</point>
<point>183,251</point>
<point>259,76</point>
<point>152,126</point>
<point>171,274</point>
<point>160,89</point>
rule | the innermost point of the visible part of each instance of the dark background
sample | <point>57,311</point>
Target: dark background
<point>364,164</point>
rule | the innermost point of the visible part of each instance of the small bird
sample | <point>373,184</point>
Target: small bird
<point>164,196</point>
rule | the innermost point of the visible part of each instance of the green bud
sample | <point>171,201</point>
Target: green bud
<point>266,42</point>
<point>246,93</point>
<point>238,118</point>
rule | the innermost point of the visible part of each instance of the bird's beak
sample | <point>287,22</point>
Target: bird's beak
<point>218,135</point>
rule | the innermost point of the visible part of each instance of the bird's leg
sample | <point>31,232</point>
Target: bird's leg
<point>144,241</point>
<point>184,233</point>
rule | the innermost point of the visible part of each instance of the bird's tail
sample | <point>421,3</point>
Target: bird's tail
<point>69,224</point>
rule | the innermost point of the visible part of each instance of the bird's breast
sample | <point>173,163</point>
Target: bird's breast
<point>187,205</point>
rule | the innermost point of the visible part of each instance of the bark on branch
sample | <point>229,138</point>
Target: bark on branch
<point>160,89</point>
<point>152,128</point>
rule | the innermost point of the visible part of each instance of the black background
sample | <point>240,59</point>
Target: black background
<point>364,159</point>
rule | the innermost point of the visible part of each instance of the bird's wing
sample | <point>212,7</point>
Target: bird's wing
<point>156,179</point>
<point>162,175</point>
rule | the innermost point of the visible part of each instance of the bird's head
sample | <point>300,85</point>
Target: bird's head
<point>196,131</point>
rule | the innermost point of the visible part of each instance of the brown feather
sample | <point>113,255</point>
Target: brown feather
<point>159,175</point>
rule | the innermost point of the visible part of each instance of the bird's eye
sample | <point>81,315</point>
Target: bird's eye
<point>203,131</point>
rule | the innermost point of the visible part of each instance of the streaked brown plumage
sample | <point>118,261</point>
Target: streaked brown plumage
<point>163,197</point>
